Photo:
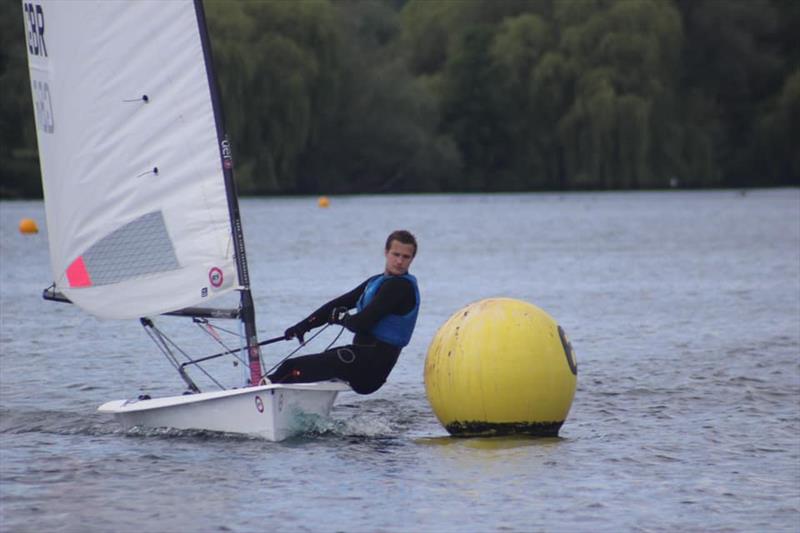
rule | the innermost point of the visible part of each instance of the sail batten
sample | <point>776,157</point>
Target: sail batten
<point>135,192</point>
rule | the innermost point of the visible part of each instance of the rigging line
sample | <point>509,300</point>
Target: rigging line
<point>159,342</point>
<point>216,326</point>
<point>166,340</point>
<point>158,338</point>
<point>262,343</point>
<point>190,360</point>
<point>335,339</point>
<point>302,345</point>
<point>219,341</point>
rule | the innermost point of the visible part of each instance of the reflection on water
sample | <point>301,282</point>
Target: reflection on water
<point>491,443</point>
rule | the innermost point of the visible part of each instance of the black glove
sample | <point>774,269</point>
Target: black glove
<point>339,316</point>
<point>298,330</point>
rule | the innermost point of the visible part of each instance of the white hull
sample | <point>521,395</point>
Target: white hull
<point>273,412</point>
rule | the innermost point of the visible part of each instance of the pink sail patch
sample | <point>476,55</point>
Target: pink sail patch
<point>77,275</point>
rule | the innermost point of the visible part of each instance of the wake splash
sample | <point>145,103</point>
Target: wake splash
<point>70,423</point>
<point>368,425</point>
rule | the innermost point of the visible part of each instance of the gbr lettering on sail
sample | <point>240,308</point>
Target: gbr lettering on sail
<point>37,55</point>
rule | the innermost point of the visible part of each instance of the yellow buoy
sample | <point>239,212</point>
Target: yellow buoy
<point>28,225</point>
<point>323,201</point>
<point>500,366</point>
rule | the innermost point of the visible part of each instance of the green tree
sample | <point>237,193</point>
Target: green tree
<point>419,95</point>
<point>778,132</point>
<point>472,113</point>
<point>732,65</point>
<point>19,162</point>
<point>432,30</point>
<point>381,135</point>
<point>279,67</point>
<point>557,94</point>
<point>534,79</point>
<point>617,131</point>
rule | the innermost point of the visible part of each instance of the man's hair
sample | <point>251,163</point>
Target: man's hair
<point>402,236</point>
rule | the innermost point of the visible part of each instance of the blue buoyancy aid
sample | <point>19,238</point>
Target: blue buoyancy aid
<point>393,329</point>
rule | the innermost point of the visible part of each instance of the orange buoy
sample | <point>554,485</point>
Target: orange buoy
<point>323,201</point>
<point>28,226</point>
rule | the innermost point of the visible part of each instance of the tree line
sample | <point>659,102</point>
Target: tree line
<point>370,96</point>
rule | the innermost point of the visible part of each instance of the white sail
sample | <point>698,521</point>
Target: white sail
<point>137,212</point>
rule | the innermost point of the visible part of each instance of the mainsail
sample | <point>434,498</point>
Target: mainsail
<point>141,204</point>
<point>138,213</point>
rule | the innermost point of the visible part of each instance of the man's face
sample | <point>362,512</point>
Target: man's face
<point>398,258</point>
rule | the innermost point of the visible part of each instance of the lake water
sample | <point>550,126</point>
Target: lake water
<point>683,309</point>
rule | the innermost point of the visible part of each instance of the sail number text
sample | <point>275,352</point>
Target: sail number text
<point>35,15</point>
<point>44,107</point>
<point>42,102</point>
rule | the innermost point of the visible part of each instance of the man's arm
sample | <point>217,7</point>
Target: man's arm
<point>321,316</point>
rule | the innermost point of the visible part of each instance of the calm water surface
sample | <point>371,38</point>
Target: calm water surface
<point>683,308</point>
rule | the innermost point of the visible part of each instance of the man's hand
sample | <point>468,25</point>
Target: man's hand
<point>339,315</point>
<point>298,330</point>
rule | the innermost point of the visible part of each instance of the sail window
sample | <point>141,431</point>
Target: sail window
<point>136,249</point>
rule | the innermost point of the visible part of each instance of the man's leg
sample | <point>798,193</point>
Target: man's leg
<point>336,363</point>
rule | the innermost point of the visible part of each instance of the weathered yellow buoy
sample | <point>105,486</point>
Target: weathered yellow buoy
<point>500,366</point>
<point>28,225</point>
<point>323,201</point>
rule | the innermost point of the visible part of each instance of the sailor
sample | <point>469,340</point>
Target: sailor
<point>386,307</point>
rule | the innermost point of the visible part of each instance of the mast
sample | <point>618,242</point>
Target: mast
<point>248,315</point>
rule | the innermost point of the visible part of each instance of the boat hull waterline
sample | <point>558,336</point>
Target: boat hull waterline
<point>274,412</point>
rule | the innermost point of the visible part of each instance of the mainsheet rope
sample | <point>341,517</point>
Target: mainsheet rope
<point>303,344</point>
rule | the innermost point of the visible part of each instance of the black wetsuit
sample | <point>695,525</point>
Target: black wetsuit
<point>367,362</point>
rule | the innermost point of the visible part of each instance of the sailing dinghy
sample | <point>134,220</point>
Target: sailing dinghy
<point>142,212</point>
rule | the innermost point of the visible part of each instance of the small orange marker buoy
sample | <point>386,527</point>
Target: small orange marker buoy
<point>323,201</point>
<point>28,226</point>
